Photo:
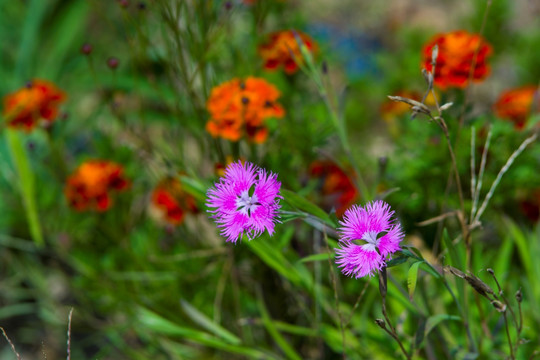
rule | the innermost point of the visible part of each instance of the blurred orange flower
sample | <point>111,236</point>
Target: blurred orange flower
<point>282,50</point>
<point>219,167</point>
<point>337,188</point>
<point>239,108</point>
<point>38,100</point>
<point>89,186</point>
<point>171,202</point>
<point>455,58</point>
<point>517,104</point>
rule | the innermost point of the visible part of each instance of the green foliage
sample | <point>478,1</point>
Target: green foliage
<point>142,288</point>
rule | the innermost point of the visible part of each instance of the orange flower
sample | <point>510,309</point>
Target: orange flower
<point>239,108</point>
<point>219,167</point>
<point>282,50</point>
<point>337,188</point>
<point>516,105</point>
<point>38,100</point>
<point>88,187</point>
<point>171,202</point>
<point>455,59</point>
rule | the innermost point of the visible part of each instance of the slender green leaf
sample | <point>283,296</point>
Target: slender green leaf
<point>151,321</point>
<point>434,320</point>
<point>397,261</point>
<point>26,183</point>
<point>205,322</point>
<point>504,256</point>
<point>303,204</point>
<point>520,240</point>
<point>412,278</point>
<point>274,333</point>
<point>317,257</point>
<point>64,32</point>
<point>194,187</point>
<point>454,253</point>
<point>275,259</point>
<point>35,13</point>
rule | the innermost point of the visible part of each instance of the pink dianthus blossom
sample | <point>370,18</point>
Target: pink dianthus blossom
<point>246,200</point>
<point>377,229</point>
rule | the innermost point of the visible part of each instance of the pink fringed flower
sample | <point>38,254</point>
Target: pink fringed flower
<point>368,236</point>
<point>246,200</point>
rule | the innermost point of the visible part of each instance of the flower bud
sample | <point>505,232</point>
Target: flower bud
<point>519,296</point>
<point>86,49</point>
<point>113,62</point>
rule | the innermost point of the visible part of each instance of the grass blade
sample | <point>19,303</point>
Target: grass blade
<point>205,322</point>
<point>19,157</point>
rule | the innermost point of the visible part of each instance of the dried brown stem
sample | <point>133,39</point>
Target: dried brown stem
<point>10,343</point>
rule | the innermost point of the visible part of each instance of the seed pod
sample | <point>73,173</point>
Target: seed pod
<point>519,296</point>
<point>499,306</point>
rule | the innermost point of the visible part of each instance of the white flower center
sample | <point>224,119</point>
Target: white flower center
<point>371,240</point>
<point>246,204</point>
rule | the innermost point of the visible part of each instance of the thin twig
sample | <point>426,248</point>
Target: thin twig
<point>501,294</point>
<point>10,343</point>
<point>480,175</point>
<point>442,124</point>
<point>357,303</point>
<point>503,170</point>
<point>383,289</point>
<point>473,164</point>
<point>508,335</point>
<point>69,335</point>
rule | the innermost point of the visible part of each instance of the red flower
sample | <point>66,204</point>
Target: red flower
<point>89,186</point>
<point>38,100</point>
<point>240,108</point>
<point>517,104</point>
<point>455,58</point>
<point>282,50</point>
<point>337,188</point>
<point>172,202</point>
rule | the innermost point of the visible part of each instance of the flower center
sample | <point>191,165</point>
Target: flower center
<point>246,204</point>
<point>369,241</point>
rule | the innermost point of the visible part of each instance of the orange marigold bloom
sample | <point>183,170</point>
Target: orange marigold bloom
<point>517,104</point>
<point>239,108</point>
<point>282,50</point>
<point>89,186</point>
<point>38,100</point>
<point>171,202</point>
<point>337,188</point>
<point>455,59</point>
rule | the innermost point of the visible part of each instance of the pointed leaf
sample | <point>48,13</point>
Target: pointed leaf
<point>412,277</point>
<point>303,204</point>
